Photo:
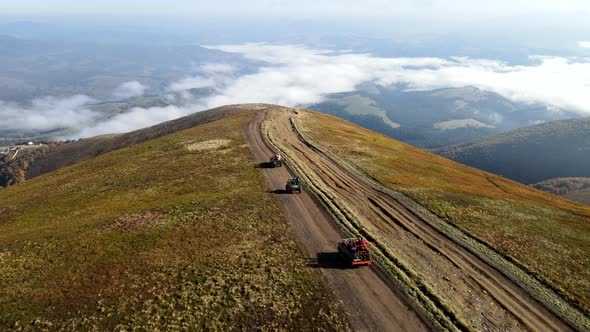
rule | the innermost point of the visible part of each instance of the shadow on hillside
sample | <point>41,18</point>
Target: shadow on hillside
<point>265,164</point>
<point>279,191</point>
<point>328,260</point>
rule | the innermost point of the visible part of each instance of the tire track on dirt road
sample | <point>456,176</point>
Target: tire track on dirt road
<point>370,299</point>
<point>484,297</point>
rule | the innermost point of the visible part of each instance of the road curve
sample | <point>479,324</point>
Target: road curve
<point>371,301</point>
<point>385,216</point>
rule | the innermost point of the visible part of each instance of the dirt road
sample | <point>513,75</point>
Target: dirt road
<point>372,302</point>
<point>483,297</point>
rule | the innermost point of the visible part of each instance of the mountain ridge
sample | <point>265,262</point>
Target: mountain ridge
<point>421,115</point>
<point>530,154</point>
<point>163,169</point>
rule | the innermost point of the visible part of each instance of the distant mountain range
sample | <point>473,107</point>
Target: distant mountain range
<point>436,118</point>
<point>428,119</point>
<point>533,154</point>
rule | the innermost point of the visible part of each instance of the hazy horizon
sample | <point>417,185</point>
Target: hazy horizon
<point>325,8</point>
<point>72,54</point>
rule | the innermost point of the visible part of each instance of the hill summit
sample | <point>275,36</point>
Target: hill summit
<point>184,225</point>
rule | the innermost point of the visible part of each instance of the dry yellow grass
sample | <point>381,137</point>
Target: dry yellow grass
<point>548,236</point>
<point>156,237</point>
<point>213,144</point>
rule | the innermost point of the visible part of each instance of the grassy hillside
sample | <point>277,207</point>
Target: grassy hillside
<point>549,236</point>
<point>56,155</point>
<point>13,170</point>
<point>533,154</point>
<point>84,149</point>
<point>175,233</point>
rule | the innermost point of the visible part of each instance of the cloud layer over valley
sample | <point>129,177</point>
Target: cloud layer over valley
<point>47,113</point>
<point>298,75</point>
<point>129,90</point>
<point>136,118</point>
<point>293,75</point>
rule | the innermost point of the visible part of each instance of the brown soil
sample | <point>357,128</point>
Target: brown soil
<point>469,292</point>
<point>371,301</point>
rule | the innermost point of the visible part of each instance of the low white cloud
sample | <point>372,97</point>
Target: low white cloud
<point>584,44</point>
<point>51,113</point>
<point>298,75</point>
<point>210,75</point>
<point>218,68</point>
<point>463,123</point>
<point>192,83</point>
<point>129,90</point>
<point>137,118</point>
<point>535,122</point>
<point>47,113</point>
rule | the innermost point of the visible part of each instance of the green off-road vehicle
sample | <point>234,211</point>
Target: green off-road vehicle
<point>293,185</point>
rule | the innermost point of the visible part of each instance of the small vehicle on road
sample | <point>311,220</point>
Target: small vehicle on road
<point>293,185</point>
<point>355,251</point>
<point>276,160</point>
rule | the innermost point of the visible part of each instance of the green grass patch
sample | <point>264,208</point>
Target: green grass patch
<point>161,235</point>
